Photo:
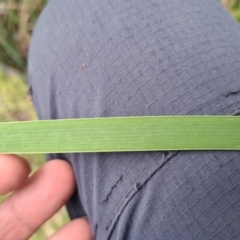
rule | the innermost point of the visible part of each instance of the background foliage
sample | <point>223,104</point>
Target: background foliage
<point>17,20</point>
<point>235,8</point>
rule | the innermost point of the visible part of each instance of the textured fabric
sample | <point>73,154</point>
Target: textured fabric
<point>131,58</point>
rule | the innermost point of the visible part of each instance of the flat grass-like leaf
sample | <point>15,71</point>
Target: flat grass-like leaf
<point>153,133</point>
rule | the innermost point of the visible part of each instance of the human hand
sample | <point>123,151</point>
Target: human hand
<point>36,199</point>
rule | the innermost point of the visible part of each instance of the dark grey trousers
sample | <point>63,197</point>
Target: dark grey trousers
<point>132,58</point>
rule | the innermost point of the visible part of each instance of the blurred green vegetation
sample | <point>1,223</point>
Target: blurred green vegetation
<point>235,9</point>
<point>15,103</point>
<point>17,19</point>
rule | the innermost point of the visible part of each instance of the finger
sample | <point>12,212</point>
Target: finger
<point>43,195</point>
<point>14,172</point>
<point>78,229</point>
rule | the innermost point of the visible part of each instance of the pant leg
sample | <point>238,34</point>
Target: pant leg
<point>133,58</point>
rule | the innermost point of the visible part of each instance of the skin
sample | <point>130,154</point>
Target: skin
<point>35,199</point>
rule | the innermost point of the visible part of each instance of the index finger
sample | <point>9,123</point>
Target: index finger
<point>14,172</point>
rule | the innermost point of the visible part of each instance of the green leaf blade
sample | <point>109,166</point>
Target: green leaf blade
<point>153,133</point>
